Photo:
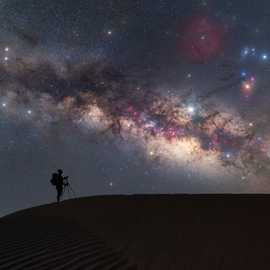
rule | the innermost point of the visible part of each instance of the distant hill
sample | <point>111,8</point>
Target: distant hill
<point>140,232</point>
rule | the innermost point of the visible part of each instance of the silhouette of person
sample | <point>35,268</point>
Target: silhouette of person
<point>61,182</point>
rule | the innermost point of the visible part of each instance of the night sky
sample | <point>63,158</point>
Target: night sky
<point>131,96</point>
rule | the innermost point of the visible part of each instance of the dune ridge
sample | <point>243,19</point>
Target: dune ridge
<point>208,231</point>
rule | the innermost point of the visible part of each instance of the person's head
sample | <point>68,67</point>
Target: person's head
<point>59,171</point>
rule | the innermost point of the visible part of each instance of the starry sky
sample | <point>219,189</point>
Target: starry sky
<point>155,96</point>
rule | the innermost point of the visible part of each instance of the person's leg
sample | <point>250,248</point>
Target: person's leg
<point>59,194</point>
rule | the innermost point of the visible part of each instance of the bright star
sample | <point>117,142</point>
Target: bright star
<point>264,56</point>
<point>191,109</point>
<point>245,51</point>
<point>203,37</point>
<point>243,74</point>
<point>247,86</point>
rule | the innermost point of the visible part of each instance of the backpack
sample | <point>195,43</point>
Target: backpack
<point>54,179</point>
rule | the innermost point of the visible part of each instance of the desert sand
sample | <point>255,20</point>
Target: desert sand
<point>140,232</point>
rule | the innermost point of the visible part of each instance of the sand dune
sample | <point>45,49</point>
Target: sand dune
<point>31,243</point>
<point>140,232</point>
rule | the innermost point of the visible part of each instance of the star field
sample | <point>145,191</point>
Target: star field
<point>133,97</point>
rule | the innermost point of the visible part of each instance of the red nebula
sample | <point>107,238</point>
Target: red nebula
<point>202,39</point>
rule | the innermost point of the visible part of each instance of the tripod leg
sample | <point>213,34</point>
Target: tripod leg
<point>73,192</point>
<point>66,191</point>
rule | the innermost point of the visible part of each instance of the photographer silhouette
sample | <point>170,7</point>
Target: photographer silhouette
<point>59,181</point>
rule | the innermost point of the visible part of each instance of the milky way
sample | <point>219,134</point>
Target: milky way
<point>184,129</point>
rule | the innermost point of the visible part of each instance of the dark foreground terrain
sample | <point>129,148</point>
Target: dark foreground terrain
<point>140,232</point>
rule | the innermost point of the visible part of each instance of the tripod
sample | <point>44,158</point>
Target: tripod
<point>70,190</point>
